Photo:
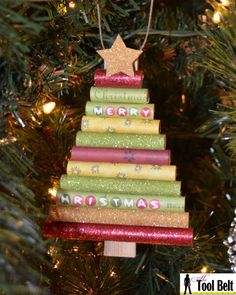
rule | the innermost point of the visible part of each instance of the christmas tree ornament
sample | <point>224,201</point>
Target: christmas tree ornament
<point>120,187</point>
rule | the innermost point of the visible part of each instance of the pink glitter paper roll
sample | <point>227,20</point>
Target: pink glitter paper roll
<point>118,80</point>
<point>107,232</point>
<point>119,155</point>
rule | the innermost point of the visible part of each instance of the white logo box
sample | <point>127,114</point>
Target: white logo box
<point>208,283</point>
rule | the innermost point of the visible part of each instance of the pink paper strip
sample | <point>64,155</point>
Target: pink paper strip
<point>117,155</point>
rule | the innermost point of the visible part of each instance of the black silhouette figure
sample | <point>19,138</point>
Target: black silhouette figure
<point>187,284</point>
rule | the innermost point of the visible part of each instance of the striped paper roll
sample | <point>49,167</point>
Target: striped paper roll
<point>119,125</point>
<point>118,185</point>
<point>118,217</point>
<point>121,170</point>
<point>116,140</point>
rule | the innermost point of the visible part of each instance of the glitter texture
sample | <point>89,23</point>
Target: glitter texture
<point>122,170</point>
<point>136,141</point>
<point>121,217</point>
<point>119,125</point>
<point>158,157</point>
<point>118,110</point>
<point>138,234</point>
<point>118,80</point>
<point>124,95</point>
<point>117,185</point>
<point>119,58</point>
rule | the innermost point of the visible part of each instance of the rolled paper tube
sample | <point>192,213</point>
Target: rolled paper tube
<point>124,95</point>
<point>119,110</point>
<point>120,125</point>
<point>121,170</point>
<point>121,217</point>
<point>118,80</point>
<point>138,234</point>
<point>120,140</point>
<point>153,157</point>
<point>118,185</point>
<point>121,201</point>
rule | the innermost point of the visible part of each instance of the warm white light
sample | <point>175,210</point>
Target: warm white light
<point>52,191</point>
<point>216,17</point>
<point>225,2</point>
<point>56,265</point>
<point>204,269</point>
<point>72,4</point>
<point>49,107</point>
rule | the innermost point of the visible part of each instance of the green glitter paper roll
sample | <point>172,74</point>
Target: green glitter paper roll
<point>119,110</point>
<point>124,186</point>
<point>125,95</point>
<point>121,201</point>
<point>115,140</point>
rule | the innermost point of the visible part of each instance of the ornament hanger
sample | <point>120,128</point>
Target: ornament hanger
<point>147,31</point>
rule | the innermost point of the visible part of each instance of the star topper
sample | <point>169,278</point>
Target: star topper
<point>119,58</point>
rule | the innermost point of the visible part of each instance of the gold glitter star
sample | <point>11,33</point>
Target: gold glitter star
<point>119,58</point>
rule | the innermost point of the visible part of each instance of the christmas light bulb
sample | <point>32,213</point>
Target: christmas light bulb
<point>216,17</point>
<point>52,191</point>
<point>225,2</point>
<point>72,4</point>
<point>204,269</point>
<point>49,107</point>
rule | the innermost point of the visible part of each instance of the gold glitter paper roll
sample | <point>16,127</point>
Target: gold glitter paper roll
<point>121,217</point>
<point>120,125</point>
<point>120,185</point>
<point>121,170</point>
<point>121,140</point>
<point>124,95</point>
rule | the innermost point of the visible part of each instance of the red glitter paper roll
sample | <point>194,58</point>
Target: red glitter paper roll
<point>118,80</point>
<point>117,155</point>
<point>107,232</point>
